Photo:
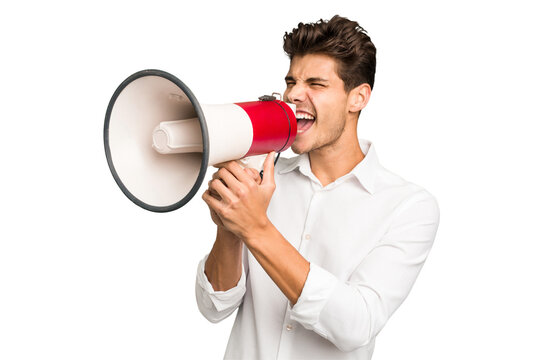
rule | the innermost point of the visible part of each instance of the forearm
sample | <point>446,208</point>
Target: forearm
<point>223,267</point>
<point>281,261</point>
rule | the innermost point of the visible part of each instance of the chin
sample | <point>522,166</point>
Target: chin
<point>297,148</point>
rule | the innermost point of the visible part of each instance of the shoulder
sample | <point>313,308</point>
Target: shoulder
<point>406,195</point>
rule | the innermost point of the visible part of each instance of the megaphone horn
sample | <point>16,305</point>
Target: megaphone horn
<point>159,140</point>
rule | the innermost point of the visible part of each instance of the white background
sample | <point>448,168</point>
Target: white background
<point>85,274</point>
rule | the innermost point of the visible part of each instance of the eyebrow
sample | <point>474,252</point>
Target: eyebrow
<point>310,80</point>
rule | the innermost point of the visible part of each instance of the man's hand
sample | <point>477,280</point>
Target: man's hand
<point>240,203</point>
<point>215,218</point>
<point>223,267</point>
<point>237,200</point>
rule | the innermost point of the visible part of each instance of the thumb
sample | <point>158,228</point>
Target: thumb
<point>268,168</point>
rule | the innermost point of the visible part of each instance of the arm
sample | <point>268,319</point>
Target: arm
<point>221,278</point>
<point>241,207</point>
<point>281,261</point>
<point>351,313</point>
<point>223,266</point>
<point>217,305</point>
<point>220,294</point>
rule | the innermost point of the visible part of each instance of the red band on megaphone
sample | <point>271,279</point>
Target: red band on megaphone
<point>274,126</point>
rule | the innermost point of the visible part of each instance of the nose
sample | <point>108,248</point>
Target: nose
<point>295,94</point>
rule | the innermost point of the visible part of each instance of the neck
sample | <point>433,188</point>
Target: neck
<point>333,161</point>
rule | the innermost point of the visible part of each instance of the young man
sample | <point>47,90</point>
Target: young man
<point>320,253</point>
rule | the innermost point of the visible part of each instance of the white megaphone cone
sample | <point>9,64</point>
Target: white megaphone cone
<point>159,140</point>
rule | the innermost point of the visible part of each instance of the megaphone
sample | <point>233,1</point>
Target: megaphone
<point>159,141</point>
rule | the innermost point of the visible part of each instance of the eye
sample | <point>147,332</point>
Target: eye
<point>290,83</point>
<point>318,85</point>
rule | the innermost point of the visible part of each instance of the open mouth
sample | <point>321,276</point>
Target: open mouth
<point>304,121</point>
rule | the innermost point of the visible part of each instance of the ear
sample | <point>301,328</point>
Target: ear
<point>359,97</point>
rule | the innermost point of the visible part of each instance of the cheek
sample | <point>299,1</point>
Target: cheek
<point>325,109</point>
<point>332,107</point>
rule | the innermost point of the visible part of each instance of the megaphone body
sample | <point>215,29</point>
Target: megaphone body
<point>159,141</point>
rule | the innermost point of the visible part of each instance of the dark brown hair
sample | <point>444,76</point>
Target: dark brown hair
<point>340,38</point>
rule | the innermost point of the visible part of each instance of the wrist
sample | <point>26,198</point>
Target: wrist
<point>258,233</point>
<point>224,235</point>
<point>223,267</point>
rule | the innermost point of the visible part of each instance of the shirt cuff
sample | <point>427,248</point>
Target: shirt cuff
<point>221,299</point>
<point>319,286</point>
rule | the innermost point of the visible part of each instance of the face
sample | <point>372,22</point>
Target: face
<point>314,86</point>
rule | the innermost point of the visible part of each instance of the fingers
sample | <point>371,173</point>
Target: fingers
<point>212,202</point>
<point>229,180</point>
<point>268,176</point>
<point>214,194</point>
<point>223,191</point>
<point>255,175</point>
<point>236,178</point>
<point>236,169</point>
<point>239,172</point>
<point>234,175</point>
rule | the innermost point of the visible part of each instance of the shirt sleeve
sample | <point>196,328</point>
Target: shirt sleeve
<point>218,305</point>
<point>351,313</point>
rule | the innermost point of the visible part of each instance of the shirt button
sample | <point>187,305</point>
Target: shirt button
<point>289,327</point>
<point>308,236</point>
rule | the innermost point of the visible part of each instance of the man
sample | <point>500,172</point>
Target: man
<point>320,253</point>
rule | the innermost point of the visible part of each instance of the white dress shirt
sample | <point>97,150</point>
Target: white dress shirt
<point>366,236</point>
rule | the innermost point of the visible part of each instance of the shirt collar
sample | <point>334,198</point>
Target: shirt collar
<point>365,171</point>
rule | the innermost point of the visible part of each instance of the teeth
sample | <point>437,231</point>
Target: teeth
<point>305,116</point>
